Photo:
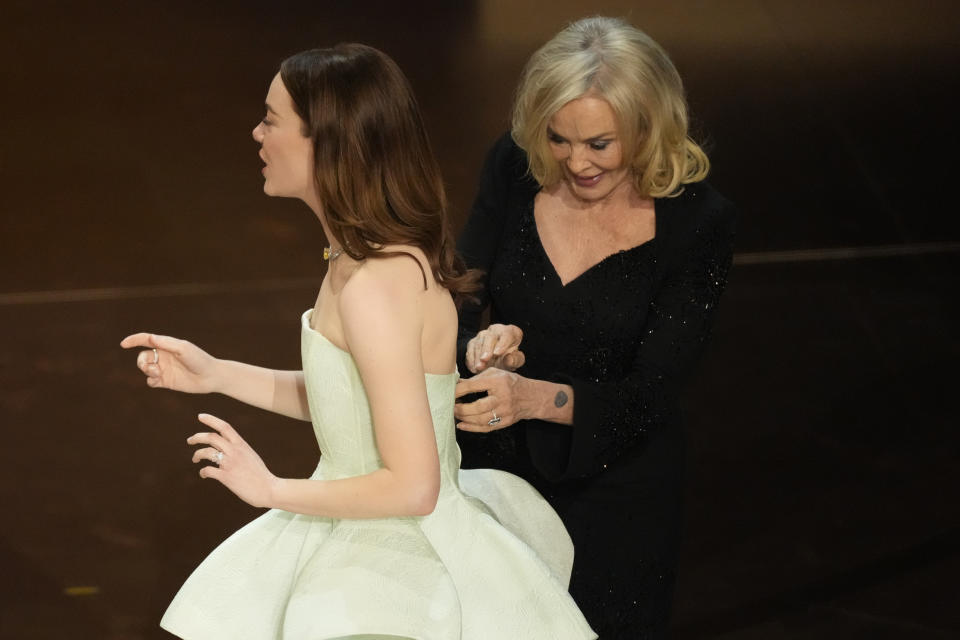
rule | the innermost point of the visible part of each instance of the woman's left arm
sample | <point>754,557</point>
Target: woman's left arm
<point>612,418</point>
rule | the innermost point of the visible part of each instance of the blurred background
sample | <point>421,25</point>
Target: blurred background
<point>823,480</point>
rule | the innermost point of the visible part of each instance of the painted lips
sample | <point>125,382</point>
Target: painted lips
<point>587,181</point>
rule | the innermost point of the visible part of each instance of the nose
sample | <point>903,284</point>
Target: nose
<point>258,132</point>
<point>578,161</point>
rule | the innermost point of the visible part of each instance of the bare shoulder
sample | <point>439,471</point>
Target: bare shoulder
<point>395,271</point>
<point>387,288</point>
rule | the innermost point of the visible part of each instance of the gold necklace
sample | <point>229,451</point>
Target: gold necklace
<point>331,255</point>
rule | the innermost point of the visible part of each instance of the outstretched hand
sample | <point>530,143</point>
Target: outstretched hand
<point>170,363</point>
<point>497,346</point>
<point>235,464</point>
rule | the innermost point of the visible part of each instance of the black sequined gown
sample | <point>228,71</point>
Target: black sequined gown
<point>624,334</point>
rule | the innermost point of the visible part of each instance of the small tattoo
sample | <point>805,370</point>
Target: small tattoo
<point>560,399</point>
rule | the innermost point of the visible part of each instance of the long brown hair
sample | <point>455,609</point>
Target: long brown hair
<point>375,172</point>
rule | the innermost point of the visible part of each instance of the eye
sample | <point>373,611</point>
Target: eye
<point>599,145</point>
<point>554,138</point>
<point>267,122</point>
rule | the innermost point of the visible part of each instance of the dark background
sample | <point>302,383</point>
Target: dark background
<point>823,486</point>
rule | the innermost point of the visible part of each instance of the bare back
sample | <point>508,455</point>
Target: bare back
<point>409,269</point>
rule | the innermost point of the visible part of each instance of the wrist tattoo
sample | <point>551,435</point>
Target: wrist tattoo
<point>560,399</point>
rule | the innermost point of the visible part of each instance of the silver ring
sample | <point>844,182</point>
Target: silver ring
<point>218,458</point>
<point>494,420</point>
<point>156,356</point>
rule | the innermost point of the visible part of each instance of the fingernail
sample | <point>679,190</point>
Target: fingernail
<point>485,355</point>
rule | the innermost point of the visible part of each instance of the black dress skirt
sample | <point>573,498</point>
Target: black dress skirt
<point>624,335</point>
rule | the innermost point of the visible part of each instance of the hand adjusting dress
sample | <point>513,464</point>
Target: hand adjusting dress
<point>492,561</point>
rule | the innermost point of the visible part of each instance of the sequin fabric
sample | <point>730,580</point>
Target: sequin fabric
<point>624,334</point>
<point>675,326</point>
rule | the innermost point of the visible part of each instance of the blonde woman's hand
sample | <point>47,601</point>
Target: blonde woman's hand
<point>496,346</point>
<point>170,363</point>
<point>235,464</point>
<point>508,400</point>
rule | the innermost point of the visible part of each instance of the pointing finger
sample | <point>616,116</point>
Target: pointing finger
<point>151,341</point>
<point>136,340</point>
<point>166,343</point>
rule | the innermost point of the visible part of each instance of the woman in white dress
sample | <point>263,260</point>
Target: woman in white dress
<point>388,538</point>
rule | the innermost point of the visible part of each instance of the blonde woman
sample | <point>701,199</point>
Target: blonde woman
<point>387,539</point>
<point>605,255</point>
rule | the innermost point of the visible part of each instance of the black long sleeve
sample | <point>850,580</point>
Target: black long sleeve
<point>614,416</point>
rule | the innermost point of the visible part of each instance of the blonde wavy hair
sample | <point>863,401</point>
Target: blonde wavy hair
<point>618,62</point>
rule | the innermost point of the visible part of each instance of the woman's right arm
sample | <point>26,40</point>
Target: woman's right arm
<point>278,391</point>
<point>180,365</point>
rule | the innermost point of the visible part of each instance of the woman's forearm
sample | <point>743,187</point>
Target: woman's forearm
<point>380,494</point>
<point>551,401</point>
<point>281,392</point>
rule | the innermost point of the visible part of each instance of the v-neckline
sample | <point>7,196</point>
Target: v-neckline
<point>596,265</point>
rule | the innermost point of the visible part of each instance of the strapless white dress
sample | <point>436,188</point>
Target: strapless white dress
<point>492,562</point>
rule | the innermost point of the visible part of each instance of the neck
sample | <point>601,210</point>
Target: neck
<point>624,196</point>
<point>314,203</point>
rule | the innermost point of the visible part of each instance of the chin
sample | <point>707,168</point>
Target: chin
<point>601,191</point>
